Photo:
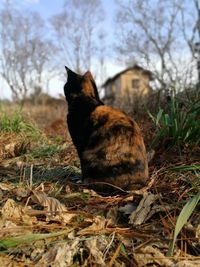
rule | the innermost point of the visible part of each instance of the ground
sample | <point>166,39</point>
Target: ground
<point>48,218</point>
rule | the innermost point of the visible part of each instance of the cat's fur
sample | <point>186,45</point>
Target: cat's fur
<point>109,143</point>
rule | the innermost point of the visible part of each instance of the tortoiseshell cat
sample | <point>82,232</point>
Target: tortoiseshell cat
<point>109,143</point>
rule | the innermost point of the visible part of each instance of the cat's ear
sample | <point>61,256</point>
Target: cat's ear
<point>67,69</point>
<point>70,73</point>
<point>88,74</point>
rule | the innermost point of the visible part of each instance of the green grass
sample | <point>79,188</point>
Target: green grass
<point>190,205</point>
<point>179,125</point>
<point>194,167</point>
<point>44,151</point>
<point>10,242</point>
<point>183,218</point>
<point>15,123</point>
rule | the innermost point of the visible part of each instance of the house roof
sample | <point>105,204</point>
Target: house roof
<point>135,67</point>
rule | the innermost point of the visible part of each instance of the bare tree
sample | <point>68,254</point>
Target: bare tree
<point>25,54</point>
<point>76,29</point>
<point>190,22</point>
<point>149,33</point>
<point>190,27</point>
<point>102,55</point>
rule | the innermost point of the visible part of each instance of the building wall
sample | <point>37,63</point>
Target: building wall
<point>117,86</point>
<point>126,83</point>
<point>110,89</point>
<point>124,93</point>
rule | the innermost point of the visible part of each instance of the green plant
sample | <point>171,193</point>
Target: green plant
<point>182,219</point>
<point>45,150</point>
<point>10,242</point>
<point>194,167</point>
<point>15,123</point>
<point>179,125</point>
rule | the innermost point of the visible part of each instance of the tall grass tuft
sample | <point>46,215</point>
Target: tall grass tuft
<point>44,151</point>
<point>15,123</point>
<point>179,125</point>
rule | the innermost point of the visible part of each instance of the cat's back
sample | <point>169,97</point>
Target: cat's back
<point>111,117</point>
<point>115,152</point>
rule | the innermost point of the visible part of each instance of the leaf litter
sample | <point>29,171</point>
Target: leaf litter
<point>47,219</point>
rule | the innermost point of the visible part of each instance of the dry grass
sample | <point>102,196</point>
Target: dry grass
<point>47,219</point>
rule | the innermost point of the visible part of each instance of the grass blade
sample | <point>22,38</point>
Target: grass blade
<point>182,219</point>
<point>160,114</point>
<point>185,168</point>
<point>20,240</point>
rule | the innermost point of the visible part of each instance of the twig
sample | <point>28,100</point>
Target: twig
<point>31,177</point>
<point>108,246</point>
<point>115,255</point>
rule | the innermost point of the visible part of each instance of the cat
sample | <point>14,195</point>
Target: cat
<point>109,142</point>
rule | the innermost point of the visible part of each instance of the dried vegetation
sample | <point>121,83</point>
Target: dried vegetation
<point>48,218</point>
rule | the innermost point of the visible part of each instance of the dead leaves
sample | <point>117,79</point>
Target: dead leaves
<point>6,260</point>
<point>99,224</point>
<point>97,246</point>
<point>13,216</point>
<point>60,255</point>
<point>148,256</point>
<point>55,211</point>
<point>151,256</point>
<point>14,149</point>
<point>93,234</point>
<point>15,213</point>
<point>145,209</point>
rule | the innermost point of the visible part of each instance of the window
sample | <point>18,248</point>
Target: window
<point>135,83</point>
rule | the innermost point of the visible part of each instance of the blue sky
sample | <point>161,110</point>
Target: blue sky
<point>47,8</point>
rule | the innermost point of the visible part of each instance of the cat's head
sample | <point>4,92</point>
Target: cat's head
<point>80,86</point>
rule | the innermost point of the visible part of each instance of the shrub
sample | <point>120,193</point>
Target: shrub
<point>178,125</point>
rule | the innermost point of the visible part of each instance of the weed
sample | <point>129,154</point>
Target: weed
<point>182,219</point>
<point>46,150</point>
<point>194,167</point>
<point>10,242</point>
<point>178,126</point>
<point>17,124</point>
<point>190,174</point>
<point>189,207</point>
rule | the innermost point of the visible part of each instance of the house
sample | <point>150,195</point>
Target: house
<point>128,86</point>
